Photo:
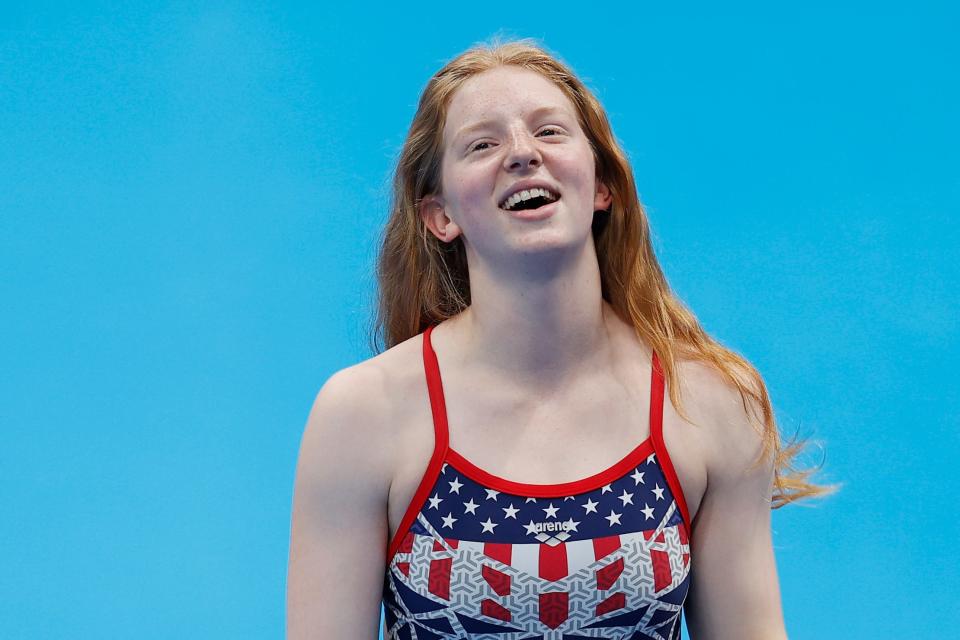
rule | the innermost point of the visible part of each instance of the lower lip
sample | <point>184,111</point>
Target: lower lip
<point>534,214</point>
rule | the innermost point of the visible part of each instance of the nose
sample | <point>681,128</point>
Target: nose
<point>522,152</point>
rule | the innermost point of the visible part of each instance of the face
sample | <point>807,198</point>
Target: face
<point>504,126</point>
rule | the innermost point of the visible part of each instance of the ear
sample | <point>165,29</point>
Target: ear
<point>603,199</point>
<point>432,210</point>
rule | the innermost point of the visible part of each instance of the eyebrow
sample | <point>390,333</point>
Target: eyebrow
<point>484,123</point>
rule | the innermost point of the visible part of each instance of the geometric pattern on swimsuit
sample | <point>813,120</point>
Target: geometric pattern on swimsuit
<point>478,556</point>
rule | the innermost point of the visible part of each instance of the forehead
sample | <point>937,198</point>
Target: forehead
<point>500,94</point>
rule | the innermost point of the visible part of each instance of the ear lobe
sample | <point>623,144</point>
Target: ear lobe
<point>431,209</point>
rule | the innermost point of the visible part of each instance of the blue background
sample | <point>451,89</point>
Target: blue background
<point>189,205</point>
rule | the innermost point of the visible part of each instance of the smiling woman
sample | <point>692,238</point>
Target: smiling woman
<point>513,115</point>
<point>552,483</point>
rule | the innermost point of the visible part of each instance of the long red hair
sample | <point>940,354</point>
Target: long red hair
<point>423,281</point>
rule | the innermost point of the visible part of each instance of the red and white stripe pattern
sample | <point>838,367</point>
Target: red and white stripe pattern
<point>597,586</point>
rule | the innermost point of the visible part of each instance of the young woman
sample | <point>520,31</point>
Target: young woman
<point>550,446</point>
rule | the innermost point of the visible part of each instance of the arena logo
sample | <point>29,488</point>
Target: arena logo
<point>551,532</point>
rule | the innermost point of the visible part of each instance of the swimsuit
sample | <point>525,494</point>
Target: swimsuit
<point>477,556</point>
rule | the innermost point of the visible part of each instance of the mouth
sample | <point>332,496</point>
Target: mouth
<point>529,200</point>
<point>545,210</point>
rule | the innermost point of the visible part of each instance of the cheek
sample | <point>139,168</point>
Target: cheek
<point>578,165</point>
<point>580,179</point>
<point>466,195</point>
<point>472,188</point>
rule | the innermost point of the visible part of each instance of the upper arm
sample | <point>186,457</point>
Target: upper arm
<point>339,527</point>
<point>735,591</point>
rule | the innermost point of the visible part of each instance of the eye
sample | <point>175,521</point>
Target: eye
<point>479,146</point>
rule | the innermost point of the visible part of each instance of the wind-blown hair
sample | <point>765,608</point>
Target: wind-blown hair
<point>423,280</point>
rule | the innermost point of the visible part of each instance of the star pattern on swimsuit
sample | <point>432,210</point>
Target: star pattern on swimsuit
<point>634,502</point>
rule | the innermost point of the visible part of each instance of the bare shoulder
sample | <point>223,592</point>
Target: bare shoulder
<point>339,524</point>
<point>342,424</point>
<point>734,590</point>
<point>729,428</point>
<point>353,417</point>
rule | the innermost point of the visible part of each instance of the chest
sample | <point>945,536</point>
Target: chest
<point>548,443</point>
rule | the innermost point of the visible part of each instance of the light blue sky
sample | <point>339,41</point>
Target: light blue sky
<point>189,203</point>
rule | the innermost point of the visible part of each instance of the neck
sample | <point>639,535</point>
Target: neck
<point>538,326</point>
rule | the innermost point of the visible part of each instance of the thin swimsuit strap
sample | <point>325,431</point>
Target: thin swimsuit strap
<point>442,450</point>
<point>657,391</point>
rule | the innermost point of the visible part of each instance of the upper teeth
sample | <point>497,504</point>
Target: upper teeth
<point>520,196</point>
